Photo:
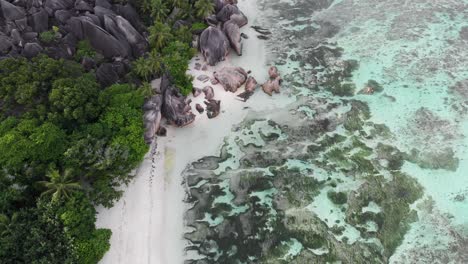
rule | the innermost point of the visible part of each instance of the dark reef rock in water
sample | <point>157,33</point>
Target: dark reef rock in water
<point>214,45</point>
<point>232,32</point>
<point>231,78</point>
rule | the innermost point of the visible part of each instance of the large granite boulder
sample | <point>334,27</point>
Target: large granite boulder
<point>81,5</point>
<point>226,12</point>
<point>11,12</point>
<point>101,11</point>
<point>103,3</point>
<point>100,39</point>
<point>214,45</point>
<point>39,21</point>
<point>59,4</point>
<point>240,19</point>
<point>129,13</point>
<point>136,40</point>
<point>231,78</point>
<point>174,108</point>
<point>31,50</point>
<point>232,31</point>
<point>110,73</point>
<point>152,116</point>
<point>5,44</point>
<point>63,16</point>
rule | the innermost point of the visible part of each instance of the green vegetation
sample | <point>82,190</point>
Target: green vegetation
<point>47,36</point>
<point>337,197</point>
<point>66,144</point>
<point>84,49</point>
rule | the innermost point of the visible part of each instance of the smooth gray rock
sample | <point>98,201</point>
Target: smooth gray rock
<point>94,18</point>
<point>214,45</point>
<point>59,4</point>
<point>11,12</point>
<point>29,36</point>
<point>100,39</point>
<point>21,24</point>
<point>16,37</point>
<point>152,117</point>
<point>240,19</point>
<point>5,44</point>
<point>226,12</point>
<point>103,3</point>
<point>31,50</point>
<point>232,31</point>
<point>128,12</point>
<point>106,74</point>
<point>136,40</point>
<point>39,21</point>
<point>101,11</point>
<point>62,16</point>
<point>81,5</point>
<point>110,25</point>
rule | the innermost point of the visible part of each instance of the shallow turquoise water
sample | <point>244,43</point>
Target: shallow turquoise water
<point>399,156</point>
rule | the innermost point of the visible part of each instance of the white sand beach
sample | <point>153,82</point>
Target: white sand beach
<point>147,222</point>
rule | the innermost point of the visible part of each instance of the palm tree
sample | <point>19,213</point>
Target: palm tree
<point>178,3</point>
<point>204,8</point>
<point>159,10</point>
<point>6,223</point>
<point>146,67</point>
<point>60,184</point>
<point>160,34</point>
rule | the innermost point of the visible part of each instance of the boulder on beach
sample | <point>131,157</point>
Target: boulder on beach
<point>251,84</point>
<point>226,12</point>
<point>240,19</point>
<point>231,78</point>
<point>272,85</point>
<point>174,108</point>
<point>214,45</point>
<point>213,108</point>
<point>209,92</point>
<point>152,117</point>
<point>232,31</point>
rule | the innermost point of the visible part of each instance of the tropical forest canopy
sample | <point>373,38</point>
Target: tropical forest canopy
<point>67,142</point>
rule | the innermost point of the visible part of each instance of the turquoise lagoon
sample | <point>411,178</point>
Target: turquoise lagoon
<point>342,175</point>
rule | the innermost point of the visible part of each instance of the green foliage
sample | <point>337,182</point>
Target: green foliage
<point>47,36</point>
<point>84,49</point>
<point>204,8</point>
<point>159,35</point>
<point>27,142</point>
<point>74,100</point>
<point>60,185</point>
<point>147,67</point>
<point>176,57</point>
<point>92,249</point>
<point>25,84</point>
<point>199,26</point>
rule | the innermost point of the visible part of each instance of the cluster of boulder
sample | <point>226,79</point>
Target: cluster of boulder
<point>112,29</point>
<point>223,32</point>
<point>166,102</point>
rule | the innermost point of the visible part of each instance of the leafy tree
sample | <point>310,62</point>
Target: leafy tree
<point>74,100</point>
<point>84,49</point>
<point>204,8</point>
<point>27,142</point>
<point>60,185</point>
<point>47,36</point>
<point>176,57</point>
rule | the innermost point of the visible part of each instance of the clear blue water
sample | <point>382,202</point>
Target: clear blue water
<point>342,176</point>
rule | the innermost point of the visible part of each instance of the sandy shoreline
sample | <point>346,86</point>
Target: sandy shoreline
<point>147,222</point>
